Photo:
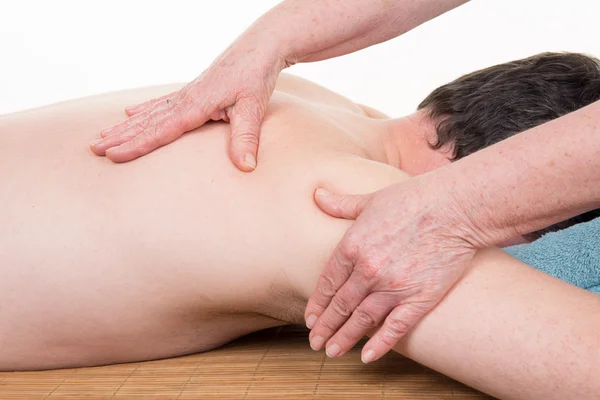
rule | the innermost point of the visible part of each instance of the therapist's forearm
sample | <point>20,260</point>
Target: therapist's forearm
<point>531,180</point>
<point>312,30</point>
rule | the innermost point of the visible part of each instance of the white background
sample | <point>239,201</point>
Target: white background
<point>60,49</point>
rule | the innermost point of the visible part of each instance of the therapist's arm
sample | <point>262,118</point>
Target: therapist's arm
<point>314,30</point>
<point>535,179</point>
<point>411,242</point>
<point>239,83</point>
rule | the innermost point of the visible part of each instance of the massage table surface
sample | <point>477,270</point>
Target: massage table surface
<point>272,364</point>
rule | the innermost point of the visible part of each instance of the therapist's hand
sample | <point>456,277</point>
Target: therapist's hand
<point>238,85</point>
<point>235,88</point>
<point>409,245</point>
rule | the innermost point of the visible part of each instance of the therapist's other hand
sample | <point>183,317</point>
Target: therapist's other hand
<point>235,88</point>
<point>394,264</point>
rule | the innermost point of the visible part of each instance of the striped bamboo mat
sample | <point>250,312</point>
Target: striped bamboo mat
<point>273,364</point>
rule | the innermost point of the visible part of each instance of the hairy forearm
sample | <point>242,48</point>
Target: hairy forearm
<point>529,181</point>
<point>312,30</point>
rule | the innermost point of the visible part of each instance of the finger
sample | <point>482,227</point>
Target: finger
<point>159,107</point>
<point>136,109</point>
<point>341,307</point>
<point>122,132</point>
<point>125,124</point>
<point>336,273</point>
<point>158,130</point>
<point>396,325</point>
<point>158,126</point>
<point>341,206</point>
<point>367,316</point>
<point>245,117</point>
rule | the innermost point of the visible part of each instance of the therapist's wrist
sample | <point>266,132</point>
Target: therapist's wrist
<point>477,217</point>
<point>254,59</point>
<point>270,36</point>
<point>272,51</point>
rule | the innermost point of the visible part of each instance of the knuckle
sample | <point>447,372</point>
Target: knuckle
<point>186,101</point>
<point>153,135</point>
<point>351,238</point>
<point>364,319</point>
<point>341,203</point>
<point>340,307</point>
<point>176,119</point>
<point>246,138</point>
<point>327,286</point>
<point>350,245</point>
<point>370,269</point>
<point>142,124</point>
<point>328,325</point>
<point>394,330</point>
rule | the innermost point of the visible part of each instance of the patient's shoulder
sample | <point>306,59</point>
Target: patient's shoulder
<point>313,92</point>
<point>373,113</point>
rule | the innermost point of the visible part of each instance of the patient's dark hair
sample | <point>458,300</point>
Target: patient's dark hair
<point>490,105</point>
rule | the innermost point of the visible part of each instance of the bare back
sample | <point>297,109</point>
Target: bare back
<point>175,252</point>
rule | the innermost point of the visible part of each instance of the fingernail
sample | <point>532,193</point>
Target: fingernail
<point>322,193</point>
<point>332,350</point>
<point>95,142</point>
<point>311,320</point>
<point>317,342</point>
<point>250,161</point>
<point>368,356</point>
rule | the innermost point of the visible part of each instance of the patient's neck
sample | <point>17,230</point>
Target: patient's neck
<point>407,142</point>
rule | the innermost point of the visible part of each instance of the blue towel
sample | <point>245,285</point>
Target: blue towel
<point>572,255</point>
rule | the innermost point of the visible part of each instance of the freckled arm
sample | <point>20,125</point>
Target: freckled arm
<point>313,30</point>
<point>532,180</point>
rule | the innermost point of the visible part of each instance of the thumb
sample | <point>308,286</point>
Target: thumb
<point>245,118</point>
<point>341,206</point>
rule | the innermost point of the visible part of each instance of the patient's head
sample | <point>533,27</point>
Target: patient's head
<point>492,104</point>
<point>487,106</point>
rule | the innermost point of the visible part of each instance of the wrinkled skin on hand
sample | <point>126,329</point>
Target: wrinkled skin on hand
<point>396,262</point>
<point>235,88</point>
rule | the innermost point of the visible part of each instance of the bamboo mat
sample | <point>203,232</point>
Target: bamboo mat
<point>272,364</point>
